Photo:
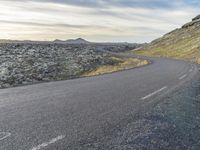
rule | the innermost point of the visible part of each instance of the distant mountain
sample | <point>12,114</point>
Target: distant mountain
<point>77,41</point>
<point>182,43</point>
<point>70,41</point>
<point>7,41</point>
<point>73,41</point>
<point>22,41</point>
<point>58,41</point>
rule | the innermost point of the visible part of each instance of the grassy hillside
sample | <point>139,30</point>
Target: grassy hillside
<point>182,43</point>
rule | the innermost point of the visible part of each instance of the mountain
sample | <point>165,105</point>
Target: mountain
<point>77,41</point>
<point>8,41</point>
<point>72,41</point>
<point>181,43</point>
<point>58,41</point>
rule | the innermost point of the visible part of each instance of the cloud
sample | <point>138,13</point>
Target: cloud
<point>34,24</point>
<point>127,3</point>
<point>118,3</point>
<point>107,20</point>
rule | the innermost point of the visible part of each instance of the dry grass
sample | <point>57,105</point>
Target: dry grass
<point>180,44</point>
<point>124,63</point>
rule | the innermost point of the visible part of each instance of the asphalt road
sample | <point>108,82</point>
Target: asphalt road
<point>76,113</point>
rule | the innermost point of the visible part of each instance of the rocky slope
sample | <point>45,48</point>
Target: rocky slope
<point>183,43</point>
<point>27,63</point>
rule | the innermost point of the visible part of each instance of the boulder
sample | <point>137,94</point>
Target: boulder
<point>196,18</point>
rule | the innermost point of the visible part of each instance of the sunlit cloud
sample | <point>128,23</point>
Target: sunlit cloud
<point>100,20</point>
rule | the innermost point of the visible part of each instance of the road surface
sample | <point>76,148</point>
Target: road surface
<point>74,114</point>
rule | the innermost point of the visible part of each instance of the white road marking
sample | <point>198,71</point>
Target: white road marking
<point>52,141</point>
<point>182,77</point>
<point>5,135</point>
<point>152,94</point>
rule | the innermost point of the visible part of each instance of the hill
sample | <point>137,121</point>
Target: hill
<point>70,41</point>
<point>73,41</point>
<point>182,43</point>
<point>77,41</point>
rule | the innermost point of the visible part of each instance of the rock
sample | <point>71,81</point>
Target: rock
<point>26,63</point>
<point>194,21</point>
<point>196,18</point>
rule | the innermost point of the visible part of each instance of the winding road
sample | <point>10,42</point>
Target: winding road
<point>69,114</point>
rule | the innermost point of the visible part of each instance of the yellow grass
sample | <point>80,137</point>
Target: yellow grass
<point>175,46</point>
<point>124,63</point>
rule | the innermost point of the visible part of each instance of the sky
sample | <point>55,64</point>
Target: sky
<point>95,20</point>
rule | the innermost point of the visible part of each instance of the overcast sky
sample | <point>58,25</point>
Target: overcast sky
<point>94,20</point>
